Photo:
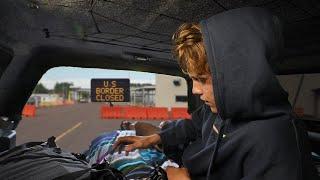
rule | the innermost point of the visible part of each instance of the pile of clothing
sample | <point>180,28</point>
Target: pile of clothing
<point>137,164</point>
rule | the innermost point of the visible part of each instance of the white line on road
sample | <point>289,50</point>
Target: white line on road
<point>68,131</point>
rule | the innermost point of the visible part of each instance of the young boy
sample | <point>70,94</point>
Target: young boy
<point>245,129</point>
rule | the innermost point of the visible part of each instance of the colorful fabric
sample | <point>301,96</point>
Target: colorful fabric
<point>138,163</point>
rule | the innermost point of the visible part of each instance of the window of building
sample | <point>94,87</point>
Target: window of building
<point>181,99</point>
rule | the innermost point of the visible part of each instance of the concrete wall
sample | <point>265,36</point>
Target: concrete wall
<point>166,91</point>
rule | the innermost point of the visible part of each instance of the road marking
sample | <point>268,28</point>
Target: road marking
<point>68,131</point>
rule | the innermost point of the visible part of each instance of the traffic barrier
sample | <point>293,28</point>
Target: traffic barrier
<point>180,113</point>
<point>111,112</point>
<point>69,102</point>
<point>143,113</point>
<point>157,113</point>
<point>135,113</point>
<point>29,110</point>
<point>60,102</point>
<point>44,104</point>
<point>103,115</point>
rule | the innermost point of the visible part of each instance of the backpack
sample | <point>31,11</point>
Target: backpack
<point>44,160</point>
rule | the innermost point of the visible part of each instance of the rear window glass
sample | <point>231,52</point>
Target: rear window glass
<point>62,106</point>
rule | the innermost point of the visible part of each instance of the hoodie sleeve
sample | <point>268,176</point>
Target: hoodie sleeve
<point>183,131</point>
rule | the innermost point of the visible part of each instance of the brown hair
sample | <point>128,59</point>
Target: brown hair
<point>189,49</point>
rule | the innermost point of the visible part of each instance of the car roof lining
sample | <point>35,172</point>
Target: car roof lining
<point>148,26</point>
<point>6,54</point>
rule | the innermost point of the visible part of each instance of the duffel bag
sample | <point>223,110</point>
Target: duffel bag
<point>44,160</point>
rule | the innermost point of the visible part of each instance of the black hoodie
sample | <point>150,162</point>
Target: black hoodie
<point>262,139</point>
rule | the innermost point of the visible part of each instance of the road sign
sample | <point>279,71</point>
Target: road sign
<point>110,90</point>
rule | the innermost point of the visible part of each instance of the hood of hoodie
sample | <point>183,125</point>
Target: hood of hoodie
<point>241,46</point>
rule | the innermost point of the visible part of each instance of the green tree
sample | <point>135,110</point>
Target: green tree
<point>84,95</point>
<point>40,88</point>
<point>62,88</point>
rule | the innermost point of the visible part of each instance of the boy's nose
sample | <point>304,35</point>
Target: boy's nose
<point>196,88</point>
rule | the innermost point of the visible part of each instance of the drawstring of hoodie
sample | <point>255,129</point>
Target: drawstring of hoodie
<point>216,147</point>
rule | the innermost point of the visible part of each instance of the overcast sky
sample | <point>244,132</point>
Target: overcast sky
<point>81,76</point>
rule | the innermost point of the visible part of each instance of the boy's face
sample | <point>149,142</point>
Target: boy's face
<point>202,85</point>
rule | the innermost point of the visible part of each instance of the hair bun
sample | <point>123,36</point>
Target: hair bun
<point>187,34</point>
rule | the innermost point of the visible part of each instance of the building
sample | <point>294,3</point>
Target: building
<point>79,94</point>
<point>142,94</point>
<point>170,91</point>
<point>44,99</point>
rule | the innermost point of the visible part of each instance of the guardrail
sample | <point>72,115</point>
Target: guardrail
<point>142,113</point>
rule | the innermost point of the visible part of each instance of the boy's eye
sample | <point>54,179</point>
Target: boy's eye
<point>199,79</point>
<point>202,80</point>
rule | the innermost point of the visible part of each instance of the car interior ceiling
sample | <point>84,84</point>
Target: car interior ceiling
<point>6,55</point>
<point>96,25</point>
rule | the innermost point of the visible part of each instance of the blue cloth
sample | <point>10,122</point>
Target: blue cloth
<point>138,163</point>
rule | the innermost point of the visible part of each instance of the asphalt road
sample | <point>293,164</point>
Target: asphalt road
<point>74,126</point>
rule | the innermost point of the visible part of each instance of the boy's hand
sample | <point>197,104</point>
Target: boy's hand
<point>137,142</point>
<point>177,173</point>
